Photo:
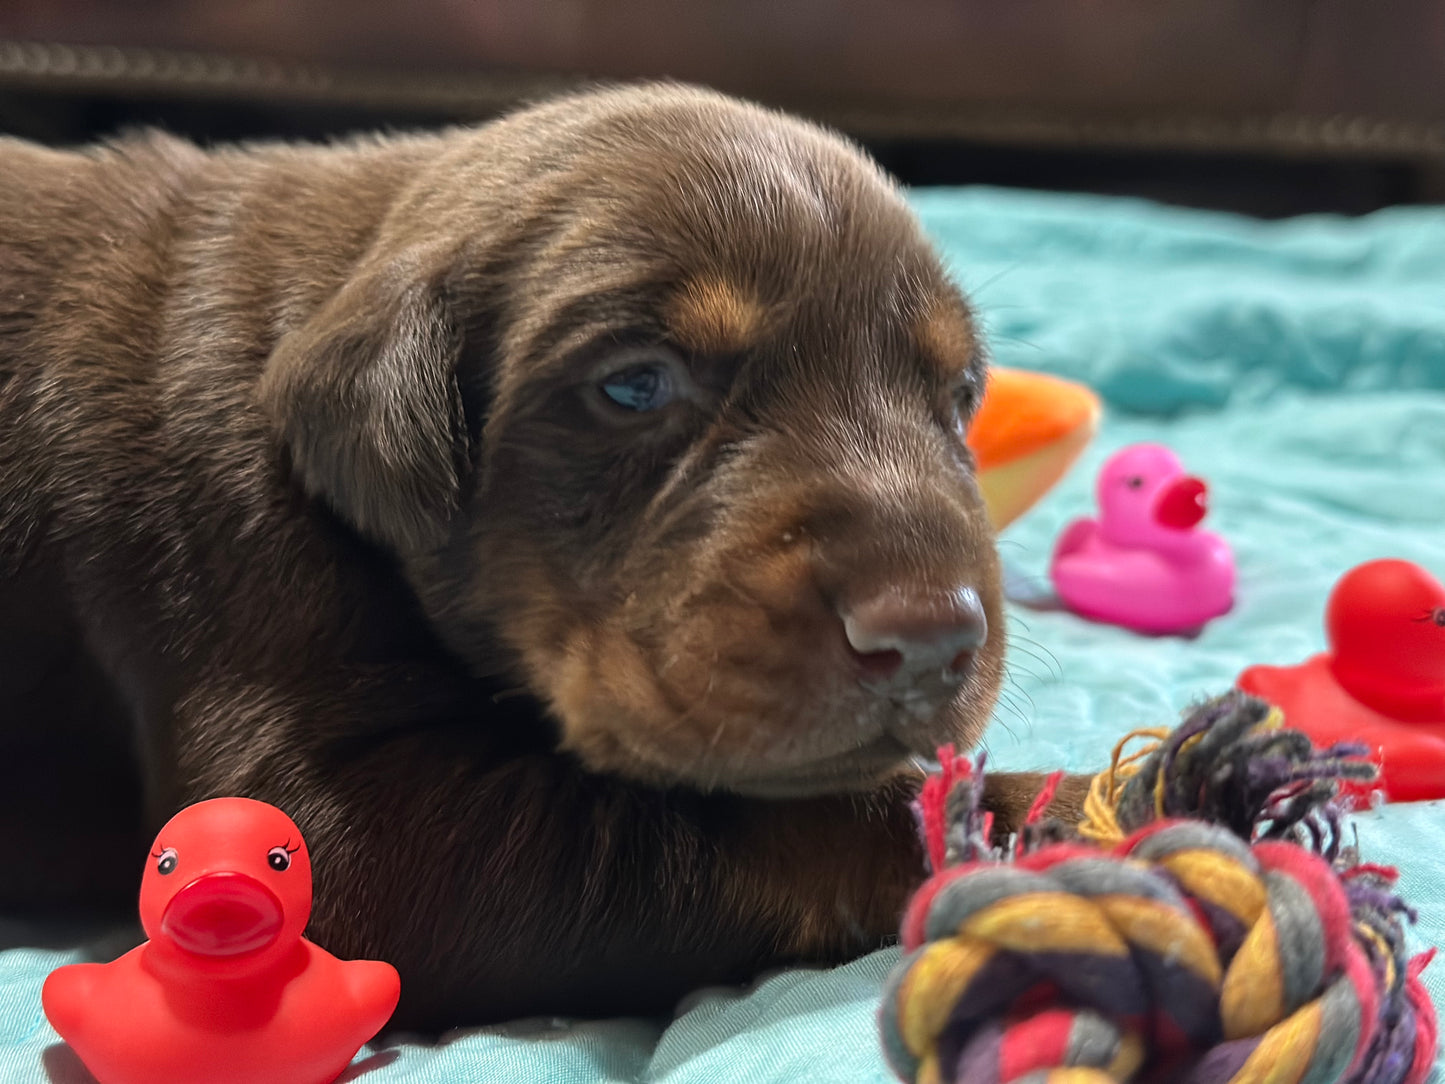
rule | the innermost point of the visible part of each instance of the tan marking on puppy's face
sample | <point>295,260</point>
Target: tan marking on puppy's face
<point>947,336</point>
<point>713,316</point>
<point>721,412</point>
<point>948,340</point>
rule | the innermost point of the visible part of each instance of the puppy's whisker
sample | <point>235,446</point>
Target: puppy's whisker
<point>1013,690</point>
<point>1015,670</point>
<point>1043,655</point>
<point>1010,707</point>
<point>1011,693</point>
<point>1016,341</point>
<point>1003,724</point>
<point>999,275</point>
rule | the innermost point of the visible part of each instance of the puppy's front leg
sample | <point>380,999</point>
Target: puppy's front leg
<point>1010,795</point>
<point>842,868</point>
<point>504,881</point>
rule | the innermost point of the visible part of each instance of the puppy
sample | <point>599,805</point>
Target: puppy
<point>566,520</point>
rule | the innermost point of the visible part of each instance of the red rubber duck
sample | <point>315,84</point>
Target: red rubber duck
<point>1382,683</point>
<point>226,991</point>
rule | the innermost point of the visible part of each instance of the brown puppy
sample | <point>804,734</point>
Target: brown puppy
<point>567,521</point>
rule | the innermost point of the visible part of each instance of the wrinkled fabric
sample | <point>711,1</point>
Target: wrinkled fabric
<point>1299,367</point>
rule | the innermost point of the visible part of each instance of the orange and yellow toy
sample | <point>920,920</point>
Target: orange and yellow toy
<point>1027,433</point>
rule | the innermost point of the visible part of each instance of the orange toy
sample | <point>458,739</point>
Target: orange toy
<point>226,991</point>
<point>1027,433</point>
<point>1382,683</point>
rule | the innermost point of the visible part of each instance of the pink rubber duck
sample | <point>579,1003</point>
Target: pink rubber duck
<point>1144,563</point>
<point>1381,683</point>
<point>226,991</point>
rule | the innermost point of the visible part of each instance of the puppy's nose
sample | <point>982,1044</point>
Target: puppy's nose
<point>899,637</point>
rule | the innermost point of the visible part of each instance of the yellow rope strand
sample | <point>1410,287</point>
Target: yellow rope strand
<point>1100,823</point>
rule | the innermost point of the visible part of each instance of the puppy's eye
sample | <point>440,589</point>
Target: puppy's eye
<point>967,394</point>
<point>641,388</point>
<point>964,397</point>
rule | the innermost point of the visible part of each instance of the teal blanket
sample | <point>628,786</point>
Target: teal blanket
<point>1299,367</point>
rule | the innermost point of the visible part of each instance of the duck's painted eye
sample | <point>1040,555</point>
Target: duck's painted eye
<point>1134,481</point>
<point>1438,616</point>
<point>279,859</point>
<point>640,388</point>
<point>166,861</point>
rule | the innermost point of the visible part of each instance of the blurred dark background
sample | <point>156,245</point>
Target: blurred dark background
<point>1271,107</point>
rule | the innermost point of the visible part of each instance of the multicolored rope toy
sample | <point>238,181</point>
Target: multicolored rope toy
<point>1205,924</point>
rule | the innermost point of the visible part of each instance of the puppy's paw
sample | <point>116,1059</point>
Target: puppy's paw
<point>1010,795</point>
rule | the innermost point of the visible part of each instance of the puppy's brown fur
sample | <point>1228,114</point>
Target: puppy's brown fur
<point>308,492</point>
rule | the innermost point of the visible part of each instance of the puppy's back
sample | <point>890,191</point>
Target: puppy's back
<point>57,205</point>
<point>142,283</point>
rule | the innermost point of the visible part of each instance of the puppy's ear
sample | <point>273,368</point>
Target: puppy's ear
<point>365,396</point>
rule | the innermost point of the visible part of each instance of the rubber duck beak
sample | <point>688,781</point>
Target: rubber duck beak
<point>1182,503</point>
<point>223,915</point>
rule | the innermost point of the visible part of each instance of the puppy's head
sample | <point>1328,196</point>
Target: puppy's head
<point>665,395</point>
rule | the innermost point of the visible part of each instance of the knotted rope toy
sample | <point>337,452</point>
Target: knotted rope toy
<point>1205,924</point>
